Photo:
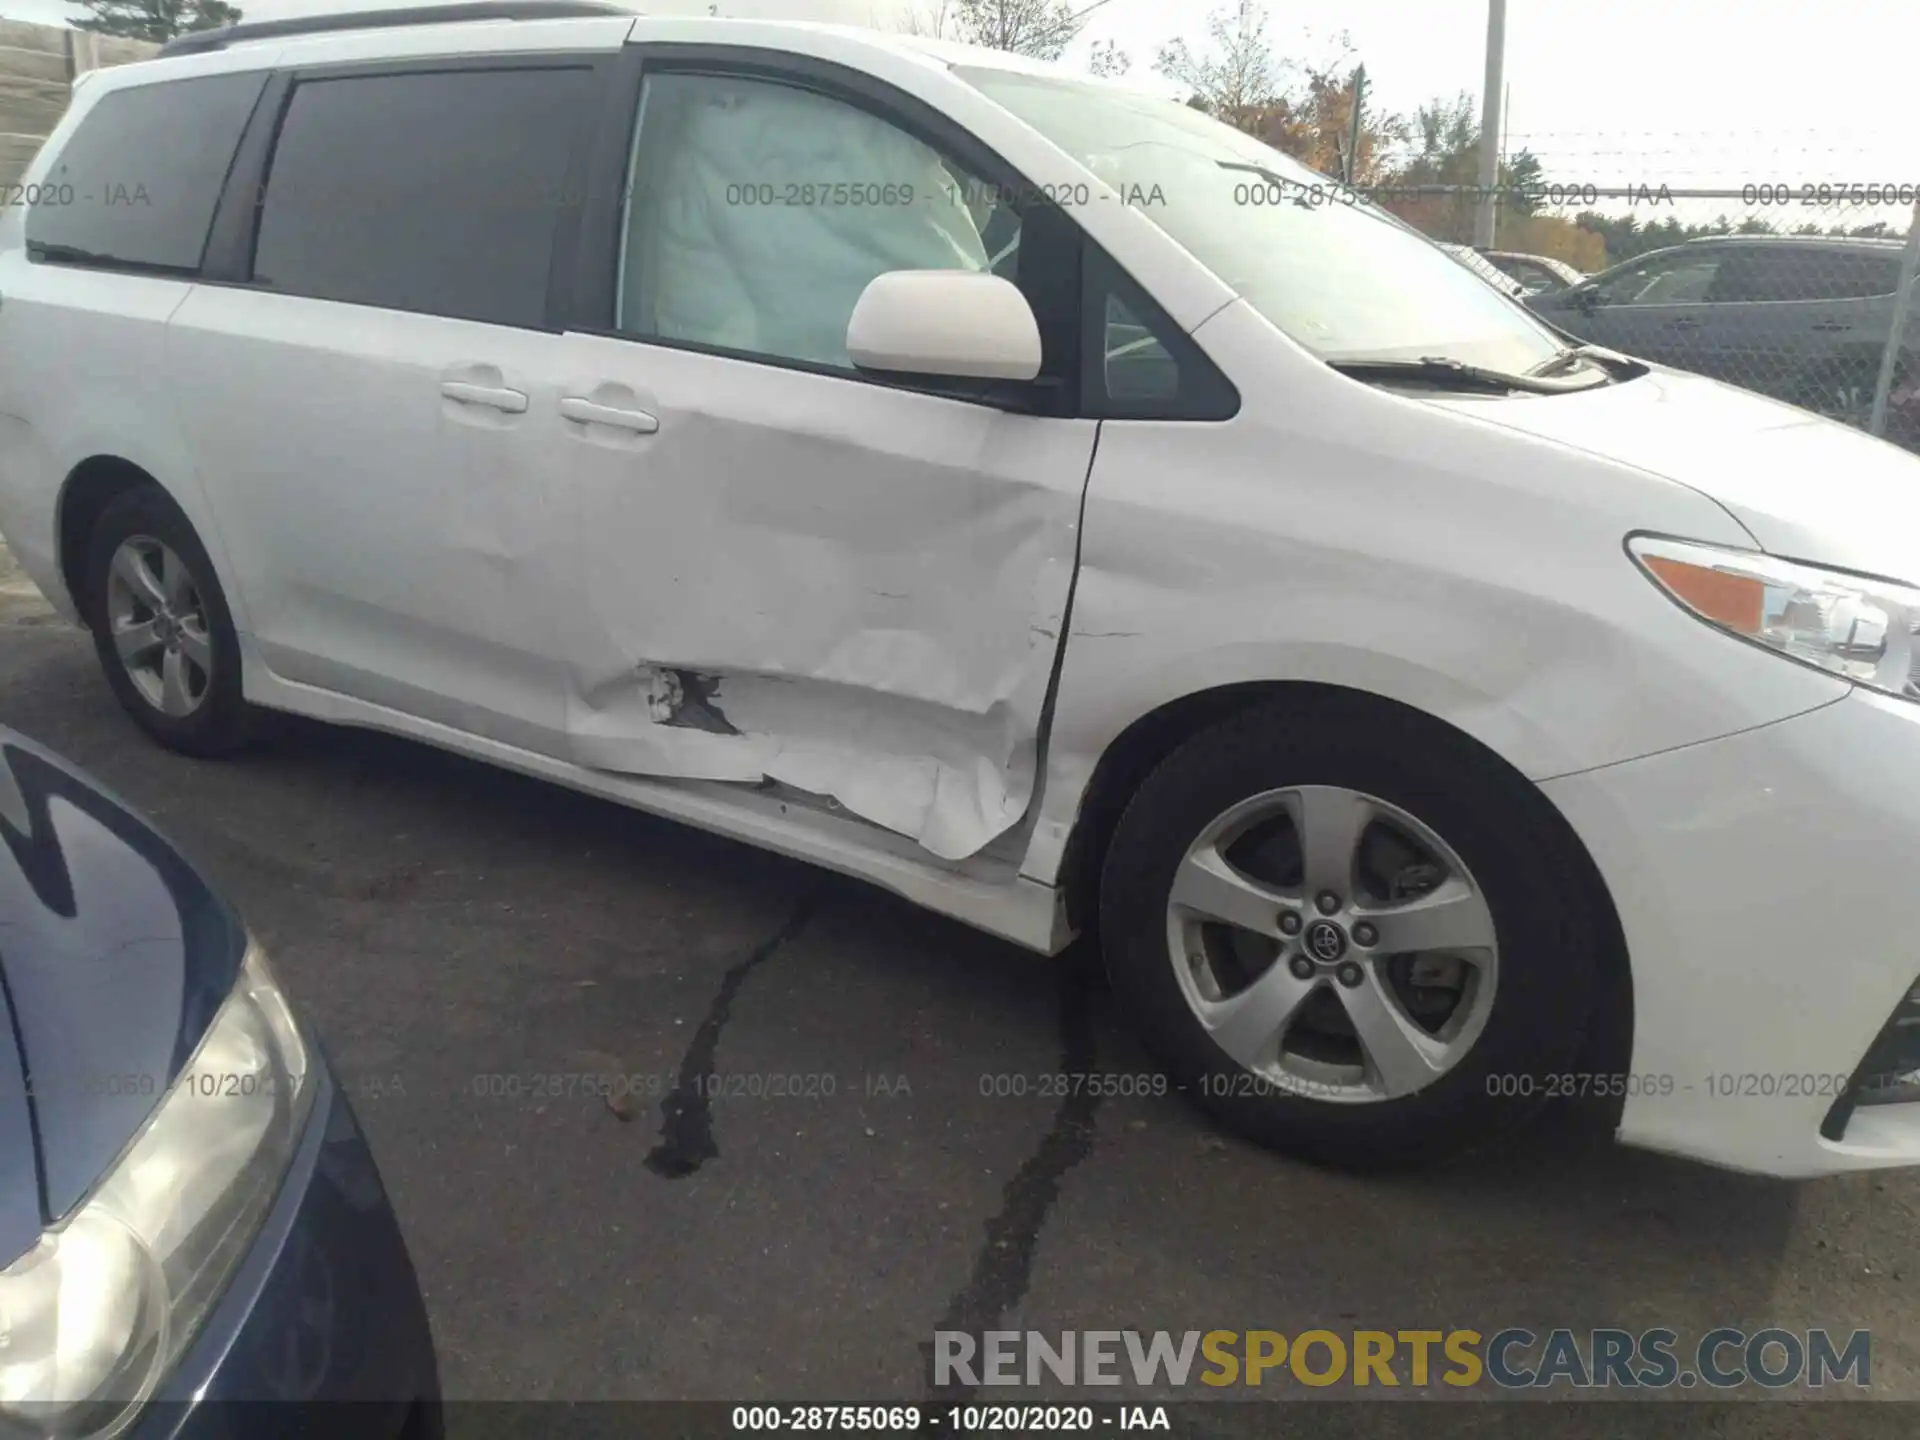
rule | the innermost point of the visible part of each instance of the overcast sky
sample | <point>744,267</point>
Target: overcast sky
<point>1690,92</point>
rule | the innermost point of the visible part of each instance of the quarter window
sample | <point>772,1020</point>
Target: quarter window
<point>433,192</point>
<point>1138,368</point>
<point>1149,368</point>
<point>135,188</point>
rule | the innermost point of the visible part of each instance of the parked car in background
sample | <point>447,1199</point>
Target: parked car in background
<point>1537,274</point>
<point>1804,319</point>
<point>1026,493</point>
<point>1480,265</point>
<point>189,1216</point>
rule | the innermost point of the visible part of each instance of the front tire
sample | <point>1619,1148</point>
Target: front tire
<point>1351,933</point>
<point>161,626</point>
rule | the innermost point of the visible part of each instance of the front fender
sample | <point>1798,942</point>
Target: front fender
<point>1343,535</point>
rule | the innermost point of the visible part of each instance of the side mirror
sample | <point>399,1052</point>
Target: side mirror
<point>958,324</point>
<point>1587,297</point>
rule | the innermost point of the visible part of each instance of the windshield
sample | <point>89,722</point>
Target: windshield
<point>1340,276</point>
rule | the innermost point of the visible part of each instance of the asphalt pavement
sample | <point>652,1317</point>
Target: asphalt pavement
<point>880,1154</point>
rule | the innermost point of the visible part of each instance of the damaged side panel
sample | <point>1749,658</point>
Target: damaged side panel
<point>855,590</point>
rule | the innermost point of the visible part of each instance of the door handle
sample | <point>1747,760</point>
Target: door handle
<point>511,402</point>
<point>1831,325</point>
<point>1683,324</point>
<point>587,412</point>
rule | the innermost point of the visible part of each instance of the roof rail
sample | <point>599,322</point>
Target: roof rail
<point>1775,238</point>
<point>197,42</point>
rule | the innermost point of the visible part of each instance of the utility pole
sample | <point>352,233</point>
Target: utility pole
<point>1351,167</point>
<point>1906,299</point>
<point>1486,213</point>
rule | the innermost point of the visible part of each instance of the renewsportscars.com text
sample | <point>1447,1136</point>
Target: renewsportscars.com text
<point>1514,1358</point>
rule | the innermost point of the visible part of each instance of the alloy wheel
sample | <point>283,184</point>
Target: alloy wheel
<point>1332,944</point>
<point>158,623</point>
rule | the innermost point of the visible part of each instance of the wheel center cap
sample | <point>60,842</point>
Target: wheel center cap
<point>1325,941</point>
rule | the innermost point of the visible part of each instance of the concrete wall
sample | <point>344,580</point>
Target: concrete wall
<point>37,66</point>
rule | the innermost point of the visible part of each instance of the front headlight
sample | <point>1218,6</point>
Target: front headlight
<point>1856,628</point>
<point>96,1314</point>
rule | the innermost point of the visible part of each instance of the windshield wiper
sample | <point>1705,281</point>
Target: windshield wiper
<point>1620,367</point>
<point>1457,374</point>
<point>1276,179</point>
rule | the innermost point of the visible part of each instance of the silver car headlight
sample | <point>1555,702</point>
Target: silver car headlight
<point>96,1314</point>
<point>1857,628</point>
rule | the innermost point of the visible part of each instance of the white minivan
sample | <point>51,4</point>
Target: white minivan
<point>1029,495</point>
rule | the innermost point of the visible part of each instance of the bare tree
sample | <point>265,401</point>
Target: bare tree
<point>934,25</point>
<point>1238,79</point>
<point>1039,28</point>
<point>1109,59</point>
<point>154,19</point>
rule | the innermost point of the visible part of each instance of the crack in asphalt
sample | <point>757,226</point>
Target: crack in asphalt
<point>686,1115</point>
<point>1003,1269</point>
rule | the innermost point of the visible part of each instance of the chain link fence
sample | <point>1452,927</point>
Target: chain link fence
<point>1805,292</point>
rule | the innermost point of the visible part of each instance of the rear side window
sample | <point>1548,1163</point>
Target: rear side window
<point>1861,276</point>
<point>431,192</point>
<point>1755,274</point>
<point>1808,273</point>
<point>135,188</point>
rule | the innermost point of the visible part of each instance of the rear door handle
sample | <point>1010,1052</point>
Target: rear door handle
<point>1683,324</point>
<point>510,402</point>
<point>587,412</point>
<point>1831,325</point>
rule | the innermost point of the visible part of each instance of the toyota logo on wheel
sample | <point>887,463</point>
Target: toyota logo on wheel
<point>1326,941</point>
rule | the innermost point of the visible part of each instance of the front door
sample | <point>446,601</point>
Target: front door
<point>787,570</point>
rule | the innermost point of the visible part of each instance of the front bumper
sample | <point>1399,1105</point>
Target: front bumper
<point>1765,883</point>
<point>324,1308</point>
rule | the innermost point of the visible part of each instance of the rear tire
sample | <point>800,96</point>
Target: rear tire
<point>1391,1049</point>
<point>161,626</point>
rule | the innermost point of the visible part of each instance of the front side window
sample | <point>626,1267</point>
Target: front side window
<point>758,212</point>
<point>1675,279</point>
<point>429,192</point>
<point>1340,276</point>
<point>136,186</point>
<point>1682,285</point>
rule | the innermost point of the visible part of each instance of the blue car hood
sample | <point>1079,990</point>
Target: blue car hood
<point>115,956</point>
